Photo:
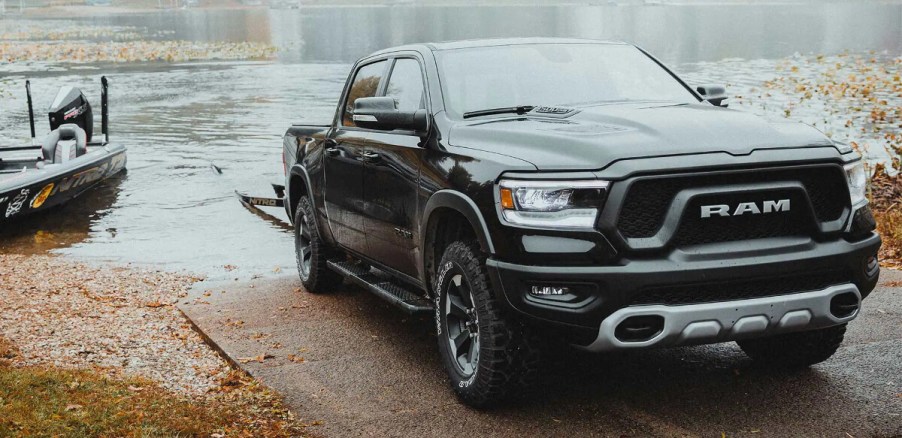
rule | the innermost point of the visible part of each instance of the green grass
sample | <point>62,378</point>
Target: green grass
<point>47,401</point>
<point>52,402</point>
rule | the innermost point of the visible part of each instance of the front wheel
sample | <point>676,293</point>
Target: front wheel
<point>311,252</point>
<point>487,356</point>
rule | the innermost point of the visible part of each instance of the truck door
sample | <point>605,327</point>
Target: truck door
<point>391,176</point>
<point>343,163</point>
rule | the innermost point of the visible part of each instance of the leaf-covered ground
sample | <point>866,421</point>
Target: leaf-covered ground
<point>62,41</point>
<point>102,351</point>
<point>48,401</point>
<point>130,51</point>
<point>886,202</point>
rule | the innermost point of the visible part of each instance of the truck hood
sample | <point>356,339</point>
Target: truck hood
<point>595,137</point>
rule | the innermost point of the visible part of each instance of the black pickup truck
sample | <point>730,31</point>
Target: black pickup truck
<point>536,191</point>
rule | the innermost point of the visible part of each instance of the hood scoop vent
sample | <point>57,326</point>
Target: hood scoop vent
<point>553,111</point>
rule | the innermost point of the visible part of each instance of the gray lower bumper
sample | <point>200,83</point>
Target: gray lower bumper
<point>728,321</point>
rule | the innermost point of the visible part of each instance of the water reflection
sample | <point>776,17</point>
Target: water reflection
<point>65,225</point>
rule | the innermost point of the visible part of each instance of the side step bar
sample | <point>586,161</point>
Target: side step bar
<point>409,301</point>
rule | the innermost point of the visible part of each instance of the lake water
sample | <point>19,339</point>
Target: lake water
<point>171,209</point>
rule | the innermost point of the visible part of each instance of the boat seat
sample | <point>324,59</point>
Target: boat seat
<point>65,143</point>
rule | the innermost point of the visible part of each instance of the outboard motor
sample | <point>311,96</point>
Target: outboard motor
<point>71,106</point>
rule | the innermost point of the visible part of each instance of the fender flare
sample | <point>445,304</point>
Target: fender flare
<point>300,171</point>
<point>461,203</point>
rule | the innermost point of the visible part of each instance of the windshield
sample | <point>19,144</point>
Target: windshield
<point>482,78</point>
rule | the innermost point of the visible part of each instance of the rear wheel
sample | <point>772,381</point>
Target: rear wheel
<point>311,252</point>
<point>795,350</point>
<point>486,355</point>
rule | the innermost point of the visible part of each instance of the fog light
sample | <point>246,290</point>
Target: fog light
<point>872,263</point>
<point>871,266</point>
<point>549,290</point>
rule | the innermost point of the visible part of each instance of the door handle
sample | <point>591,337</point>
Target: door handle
<point>332,151</point>
<point>369,156</point>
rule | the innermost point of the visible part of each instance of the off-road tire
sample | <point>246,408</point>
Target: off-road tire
<point>508,354</point>
<point>795,350</point>
<point>319,278</point>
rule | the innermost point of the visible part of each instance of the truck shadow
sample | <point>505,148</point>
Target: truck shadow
<point>704,389</point>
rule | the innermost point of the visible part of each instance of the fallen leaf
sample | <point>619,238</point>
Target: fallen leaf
<point>259,358</point>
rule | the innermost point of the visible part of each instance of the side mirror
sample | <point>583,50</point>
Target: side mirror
<point>382,113</point>
<point>715,94</point>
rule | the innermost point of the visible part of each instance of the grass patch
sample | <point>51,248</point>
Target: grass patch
<point>45,401</point>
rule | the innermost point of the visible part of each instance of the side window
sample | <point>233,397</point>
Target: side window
<point>366,84</point>
<point>406,85</point>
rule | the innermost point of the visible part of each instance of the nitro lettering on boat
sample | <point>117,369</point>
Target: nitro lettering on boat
<point>91,175</point>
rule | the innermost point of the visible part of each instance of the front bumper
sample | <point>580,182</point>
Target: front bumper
<point>731,320</point>
<point>605,292</point>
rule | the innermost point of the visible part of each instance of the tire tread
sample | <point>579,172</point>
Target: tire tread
<point>321,279</point>
<point>509,354</point>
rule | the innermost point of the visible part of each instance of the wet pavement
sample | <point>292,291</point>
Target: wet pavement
<point>363,368</point>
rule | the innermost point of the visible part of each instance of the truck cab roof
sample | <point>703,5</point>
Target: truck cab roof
<point>490,42</point>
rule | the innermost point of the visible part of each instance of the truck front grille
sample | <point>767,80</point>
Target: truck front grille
<point>647,201</point>
<point>695,230</point>
<point>740,290</point>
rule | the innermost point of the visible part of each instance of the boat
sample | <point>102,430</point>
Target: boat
<point>65,164</point>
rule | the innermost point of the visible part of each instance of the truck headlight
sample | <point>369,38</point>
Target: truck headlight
<point>552,204</point>
<point>858,182</point>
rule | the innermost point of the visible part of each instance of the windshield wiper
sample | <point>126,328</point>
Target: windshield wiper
<point>523,109</point>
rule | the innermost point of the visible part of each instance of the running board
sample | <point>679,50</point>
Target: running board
<point>400,296</point>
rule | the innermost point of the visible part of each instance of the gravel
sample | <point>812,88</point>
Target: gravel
<point>110,318</point>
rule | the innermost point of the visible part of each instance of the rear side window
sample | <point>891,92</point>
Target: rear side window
<point>406,85</point>
<point>366,84</point>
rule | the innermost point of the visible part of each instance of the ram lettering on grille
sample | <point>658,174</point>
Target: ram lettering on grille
<point>745,208</point>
